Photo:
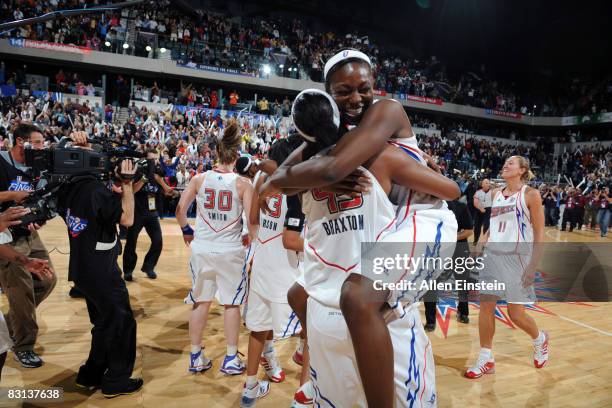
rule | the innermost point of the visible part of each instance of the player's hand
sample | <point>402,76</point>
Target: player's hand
<point>388,314</point>
<point>528,276</point>
<point>246,240</point>
<point>19,196</point>
<point>187,239</point>
<point>39,267</point>
<point>12,216</point>
<point>431,163</point>
<point>267,190</point>
<point>352,185</point>
<point>79,138</point>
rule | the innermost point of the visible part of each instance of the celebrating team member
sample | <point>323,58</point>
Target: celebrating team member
<point>336,219</point>
<point>349,79</point>
<point>273,271</point>
<point>217,249</point>
<point>514,252</point>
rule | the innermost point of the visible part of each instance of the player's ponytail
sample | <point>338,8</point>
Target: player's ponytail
<point>228,143</point>
<point>524,164</point>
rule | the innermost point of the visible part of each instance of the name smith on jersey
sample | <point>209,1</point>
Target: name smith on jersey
<point>343,224</point>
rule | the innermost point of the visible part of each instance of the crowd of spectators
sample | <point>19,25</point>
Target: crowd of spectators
<point>249,44</point>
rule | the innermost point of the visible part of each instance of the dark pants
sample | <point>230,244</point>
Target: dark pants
<point>431,298</point>
<point>113,336</point>
<point>569,215</point>
<point>481,221</point>
<point>151,225</point>
<point>430,306</point>
<point>549,216</point>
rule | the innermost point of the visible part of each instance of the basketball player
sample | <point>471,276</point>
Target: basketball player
<point>515,233</point>
<point>273,271</point>
<point>349,79</point>
<point>337,225</point>
<point>217,253</point>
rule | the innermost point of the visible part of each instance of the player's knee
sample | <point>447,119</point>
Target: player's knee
<point>353,303</point>
<point>297,298</point>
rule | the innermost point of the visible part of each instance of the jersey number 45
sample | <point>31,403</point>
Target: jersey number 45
<point>337,202</point>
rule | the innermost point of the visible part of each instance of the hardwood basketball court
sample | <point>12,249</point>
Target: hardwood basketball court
<point>579,373</point>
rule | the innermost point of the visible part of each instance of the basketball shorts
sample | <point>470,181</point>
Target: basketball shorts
<point>333,367</point>
<point>504,274</point>
<point>428,234</point>
<point>218,272</point>
<point>263,315</point>
<point>5,338</point>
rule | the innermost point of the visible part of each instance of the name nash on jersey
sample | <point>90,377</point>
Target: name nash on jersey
<point>343,224</point>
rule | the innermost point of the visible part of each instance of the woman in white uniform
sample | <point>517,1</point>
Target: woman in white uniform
<point>513,253</point>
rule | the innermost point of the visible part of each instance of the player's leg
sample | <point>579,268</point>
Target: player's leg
<point>485,364</point>
<point>361,304</point>
<point>253,388</point>
<point>539,338</point>
<point>297,298</point>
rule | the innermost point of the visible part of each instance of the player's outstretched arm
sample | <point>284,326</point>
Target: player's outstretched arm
<point>382,120</point>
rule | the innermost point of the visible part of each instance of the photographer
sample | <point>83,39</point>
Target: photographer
<point>24,291</point>
<point>91,212</point>
<point>550,203</point>
<point>147,200</point>
<point>39,267</point>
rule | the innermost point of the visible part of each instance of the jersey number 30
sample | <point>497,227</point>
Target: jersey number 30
<point>224,199</point>
<point>337,202</point>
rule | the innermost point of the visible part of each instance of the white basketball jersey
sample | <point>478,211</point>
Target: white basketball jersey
<point>408,200</point>
<point>273,271</point>
<point>510,219</point>
<point>337,225</point>
<point>219,211</point>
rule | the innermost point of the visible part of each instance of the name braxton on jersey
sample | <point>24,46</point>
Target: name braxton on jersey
<point>343,224</point>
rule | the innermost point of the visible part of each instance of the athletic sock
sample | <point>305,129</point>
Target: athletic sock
<point>195,349</point>
<point>268,346</point>
<point>486,354</point>
<point>300,346</point>
<point>251,380</point>
<point>540,339</point>
<point>231,350</point>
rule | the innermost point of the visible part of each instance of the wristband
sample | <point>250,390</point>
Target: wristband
<point>187,230</point>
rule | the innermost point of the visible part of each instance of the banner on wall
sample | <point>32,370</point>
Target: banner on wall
<point>43,45</point>
<point>211,68</point>
<point>422,99</point>
<point>494,112</point>
<point>605,117</point>
<point>380,93</point>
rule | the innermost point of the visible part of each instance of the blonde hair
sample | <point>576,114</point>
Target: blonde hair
<point>524,164</point>
<point>227,146</point>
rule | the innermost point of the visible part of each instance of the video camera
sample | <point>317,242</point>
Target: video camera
<point>62,165</point>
